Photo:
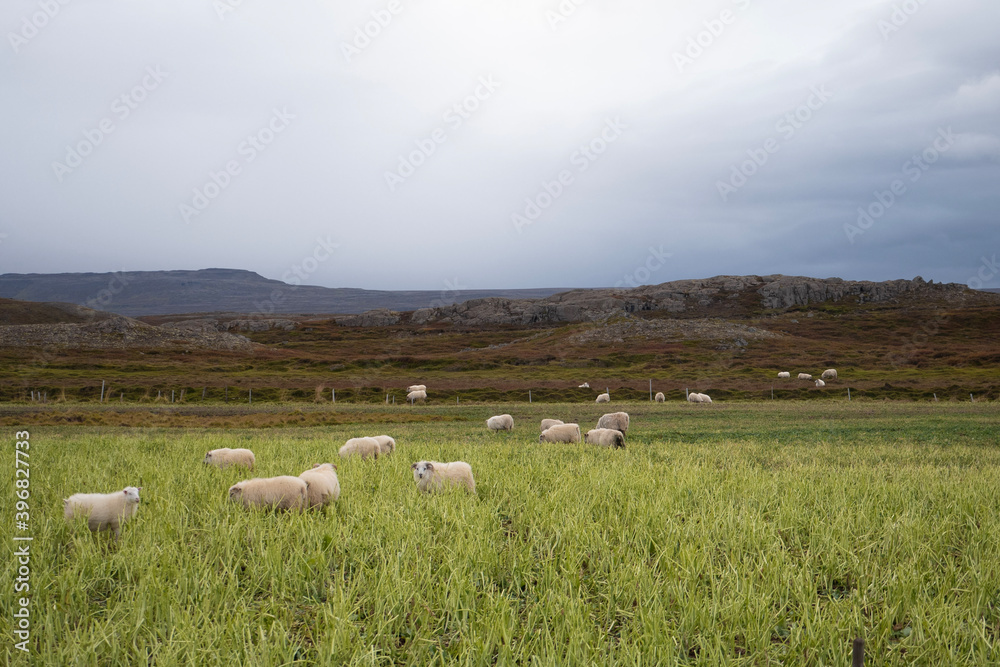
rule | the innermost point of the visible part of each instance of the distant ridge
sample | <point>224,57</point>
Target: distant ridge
<point>139,293</point>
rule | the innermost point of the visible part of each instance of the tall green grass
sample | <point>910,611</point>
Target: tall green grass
<point>747,535</point>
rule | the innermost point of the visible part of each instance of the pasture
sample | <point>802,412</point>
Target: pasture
<point>743,534</point>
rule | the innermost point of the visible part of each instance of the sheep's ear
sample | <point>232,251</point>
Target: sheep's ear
<point>430,466</point>
<point>413,467</point>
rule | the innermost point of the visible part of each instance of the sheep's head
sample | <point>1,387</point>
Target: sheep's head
<point>208,458</point>
<point>132,494</point>
<point>235,491</point>
<point>324,466</point>
<point>422,469</point>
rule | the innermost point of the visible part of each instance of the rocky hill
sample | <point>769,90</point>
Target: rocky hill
<point>138,293</point>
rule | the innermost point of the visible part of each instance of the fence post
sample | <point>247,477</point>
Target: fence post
<point>529,396</point>
<point>858,653</point>
<point>650,390</point>
<point>250,396</point>
<point>102,391</point>
<point>333,395</point>
<point>848,393</point>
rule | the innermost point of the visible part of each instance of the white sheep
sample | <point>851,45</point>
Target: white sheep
<point>283,493</point>
<point>387,444</point>
<point>603,398</point>
<point>103,510</point>
<point>225,457</point>
<point>500,423</point>
<point>820,383</point>
<point>705,398</point>
<point>585,385</point>
<point>549,423</point>
<point>416,387</point>
<point>694,397</point>
<point>616,420</point>
<point>363,447</point>
<point>829,374</point>
<point>561,433</point>
<point>784,375</point>
<point>606,437</point>
<point>660,398</point>
<point>805,376</point>
<point>322,484</point>
<point>433,476</point>
<point>418,395</point>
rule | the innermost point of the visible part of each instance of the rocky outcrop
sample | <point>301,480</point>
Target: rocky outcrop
<point>735,295</point>
<point>380,317</point>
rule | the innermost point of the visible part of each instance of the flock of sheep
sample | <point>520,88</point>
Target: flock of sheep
<point>610,431</point>
<point>828,374</point>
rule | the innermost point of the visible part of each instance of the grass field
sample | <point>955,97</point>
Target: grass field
<point>744,534</point>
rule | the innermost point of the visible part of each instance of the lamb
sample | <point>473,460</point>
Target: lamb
<point>561,433</point>
<point>820,383</point>
<point>616,420</point>
<point>829,374</point>
<point>603,398</point>
<point>548,423</point>
<point>606,437</point>
<point>418,395</point>
<point>784,375</point>
<point>500,423</point>
<point>660,398</point>
<point>282,493</point>
<point>363,447</point>
<point>322,484</point>
<point>225,457</point>
<point>387,444</point>
<point>416,387</point>
<point>585,385</point>
<point>805,376</point>
<point>103,510</point>
<point>433,476</point>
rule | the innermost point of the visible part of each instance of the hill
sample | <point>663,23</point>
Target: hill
<point>137,293</point>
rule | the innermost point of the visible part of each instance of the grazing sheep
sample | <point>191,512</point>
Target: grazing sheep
<point>387,444</point>
<point>500,423</point>
<point>433,476</point>
<point>363,447</point>
<point>829,374</point>
<point>820,383</point>
<point>282,493</point>
<point>322,484</point>
<point>805,376</point>
<point>561,433</point>
<point>603,398</point>
<point>705,398</point>
<point>103,510</point>
<point>585,385</point>
<point>784,375</point>
<point>549,423</point>
<point>616,420</point>
<point>416,387</point>
<point>606,437</point>
<point>414,396</point>
<point>225,457</point>
<point>660,398</point>
<point>694,397</point>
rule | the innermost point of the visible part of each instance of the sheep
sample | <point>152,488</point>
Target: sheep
<point>606,437</point>
<point>414,396</point>
<point>500,423</point>
<point>548,423</point>
<point>805,376</point>
<point>820,383</point>
<point>603,398</point>
<point>416,387</point>
<point>225,457</point>
<point>103,510</point>
<point>282,493</point>
<point>432,476</point>
<point>585,385</point>
<point>322,484</point>
<point>829,374</point>
<point>660,398</point>
<point>387,444</point>
<point>705,398</point>
<point>616,420</point>
<point>694,397</point>
<point>784,375</point>
<point>363,447</point>
<point>561,433</point>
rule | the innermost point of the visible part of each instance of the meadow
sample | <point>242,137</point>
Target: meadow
<point>767,533</point>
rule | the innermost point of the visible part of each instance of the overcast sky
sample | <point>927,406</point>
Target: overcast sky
<point>435,144</point>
